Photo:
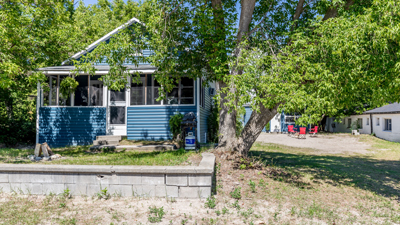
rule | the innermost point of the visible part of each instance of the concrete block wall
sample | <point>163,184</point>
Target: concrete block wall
<point>146,181</point>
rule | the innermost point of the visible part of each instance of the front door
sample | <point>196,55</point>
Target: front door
<point>116,112</point>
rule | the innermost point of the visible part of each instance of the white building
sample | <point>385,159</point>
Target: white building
<point>383,121</point>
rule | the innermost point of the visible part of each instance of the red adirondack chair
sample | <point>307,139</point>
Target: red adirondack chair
<point>302,133</point>
<point>313,131</point>
<point>290,130</point>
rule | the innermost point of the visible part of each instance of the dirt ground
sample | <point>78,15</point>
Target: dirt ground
<point>324,143</point>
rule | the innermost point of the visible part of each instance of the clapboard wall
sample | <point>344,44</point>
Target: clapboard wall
<point>64,126</point>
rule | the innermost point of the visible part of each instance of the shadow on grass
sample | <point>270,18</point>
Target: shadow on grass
<point>379,176</point>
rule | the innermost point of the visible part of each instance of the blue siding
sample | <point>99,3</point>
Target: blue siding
<point>152,122</point>
<point>64,126</point>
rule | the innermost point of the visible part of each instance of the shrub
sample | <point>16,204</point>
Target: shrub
<point>175,124</point>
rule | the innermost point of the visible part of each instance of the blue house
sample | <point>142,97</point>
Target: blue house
<point>94,110</point>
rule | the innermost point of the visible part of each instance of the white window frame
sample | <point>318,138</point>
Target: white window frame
<point>377,122</point>
<point>385,125</point>
<point>367,122</point>
<point>360,123</point>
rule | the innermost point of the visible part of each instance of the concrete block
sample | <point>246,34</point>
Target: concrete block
<point>20,177</point>
<point>204,192</point>
<point>189,192</point>
<point>130,178</point>
<point>181,170</point>
<point>153,169</point>
<point>167,191</point>
<point>76,189</point>
<point>93,189</point>
<point>127,169</point>
<point>86,179</point>
<point>41,178</point>
<point>5,188</point>
<point>107,179</point>
<point>144,190</point>
<point>53,188</point>
<point>200,180</point>
<point>63,178</point>
<point>16,187</point>
<point>121,190</point>
<point>32,188</point>
<point>153,179</point>
<point>3,177</point>
<point>177,180</point>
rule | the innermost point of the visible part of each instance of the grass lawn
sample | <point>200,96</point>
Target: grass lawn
<point>81,155</point>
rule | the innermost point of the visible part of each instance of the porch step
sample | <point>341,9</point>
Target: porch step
<point>136,147</point>
<point>106,142</point>
<point>109,137</point>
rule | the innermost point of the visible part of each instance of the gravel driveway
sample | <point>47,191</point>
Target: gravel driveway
<point>326,143</point>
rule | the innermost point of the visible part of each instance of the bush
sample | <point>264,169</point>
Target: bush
<point>175,124</point>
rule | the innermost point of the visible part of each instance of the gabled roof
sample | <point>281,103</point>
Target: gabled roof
<point>104,38</point>
<point>391,108</point>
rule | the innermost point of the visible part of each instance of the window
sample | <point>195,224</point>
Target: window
<point>367,122</point>
<point>360,123</point>
<point>146,92</point>
<point>377,121</point>
<point>348,122</point>
<point>388,125</point>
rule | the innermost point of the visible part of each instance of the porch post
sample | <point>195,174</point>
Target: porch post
<point>58,90</point>
<point>38,103</point>
<point>198,108</point>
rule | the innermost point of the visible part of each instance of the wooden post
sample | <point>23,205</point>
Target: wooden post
<point>58,89</point>
<point>88,91</point>
<point>51,90</point>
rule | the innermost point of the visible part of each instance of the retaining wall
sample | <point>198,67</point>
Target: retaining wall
<point>147,181</point>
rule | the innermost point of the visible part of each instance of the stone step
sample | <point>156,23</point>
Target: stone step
<point>106,142</point>
<point>109,137</point>
<point>136,147</point>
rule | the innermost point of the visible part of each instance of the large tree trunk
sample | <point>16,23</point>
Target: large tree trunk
<point>253,129</point>
<point>333,11</point>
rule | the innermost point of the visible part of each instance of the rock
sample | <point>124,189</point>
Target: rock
<point>259,222</point>
<point>38,150</point>
<point>46,158</point>
<point>56,156</point>
<point>31,157</point>
<point>38,158</point>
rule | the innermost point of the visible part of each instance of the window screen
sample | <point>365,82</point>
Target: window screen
<point>187,91</point>
<point>348,123</point>
<point>117,96</point>
<point>360,123</point>
<point>96,94</point>
<point>117,114</point>
<point>138,92</point>
<point>81,92</point>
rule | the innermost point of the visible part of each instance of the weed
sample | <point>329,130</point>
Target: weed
<point>63,204</point>
<point>103,194</point>
<point>241,176</point>
<point>236,193</point>
<point>210,202</point>
<point>236,205</point>
<point>252,185</point>
<point>71,221</point>
<point>156,214</point>
<point>246,214</point>
<point>66,193</point>
<point>183,222</point>
<point>218,212</point>
<point>242,166</point>
<point>225,210</point>
<point>262,183</point>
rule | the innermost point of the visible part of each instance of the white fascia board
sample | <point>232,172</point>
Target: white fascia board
<point>96,72</point>
<point>104,38</point>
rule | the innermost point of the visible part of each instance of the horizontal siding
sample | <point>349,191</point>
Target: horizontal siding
<point>204,113</point>
<point>152,122</point>
<point>66,126</point>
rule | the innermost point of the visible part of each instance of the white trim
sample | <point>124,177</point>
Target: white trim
<point>51,90</point>
<point>198,109</point>
<point>51,72</point>
<point>38,103</point>
<point>104,38</point>
<point>66,106</point>
<point>175,105</point>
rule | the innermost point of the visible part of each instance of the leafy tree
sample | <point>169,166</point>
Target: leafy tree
<point>317,57</point>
